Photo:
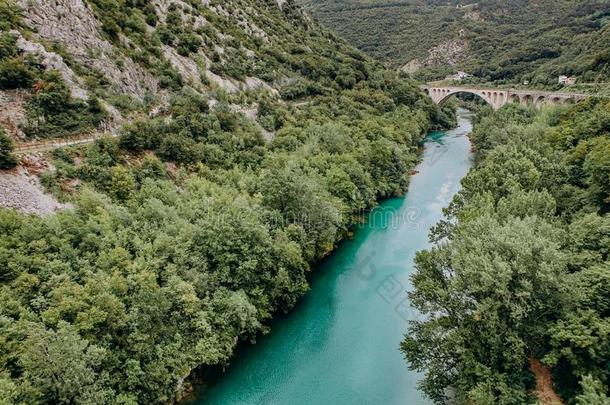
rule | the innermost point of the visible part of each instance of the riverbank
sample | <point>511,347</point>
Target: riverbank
<point>340,343</point>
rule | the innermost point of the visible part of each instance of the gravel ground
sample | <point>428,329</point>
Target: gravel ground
<point>23,192</point>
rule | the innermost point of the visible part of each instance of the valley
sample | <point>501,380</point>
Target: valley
<point>340,344</point>
<point>308,202</point>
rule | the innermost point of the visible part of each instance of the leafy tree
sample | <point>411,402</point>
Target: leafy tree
<point>491,286</point>
<point>61,366</point>
<point>597,169</point>
<point>520,265</point>
<point>122,183</point>
<point>594,392</point>
<point>7,159</point>
<point>150,168</point>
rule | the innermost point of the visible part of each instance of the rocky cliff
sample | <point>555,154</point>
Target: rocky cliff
<point>112,51</point>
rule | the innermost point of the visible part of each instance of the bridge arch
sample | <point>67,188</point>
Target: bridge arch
<point>483,95</point>
<point>539,100</point>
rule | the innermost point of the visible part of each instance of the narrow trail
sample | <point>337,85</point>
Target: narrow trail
<point>544,383</point>
<point>47,145</point>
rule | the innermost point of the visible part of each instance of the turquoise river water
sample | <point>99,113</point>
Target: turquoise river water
<point>340,344</point>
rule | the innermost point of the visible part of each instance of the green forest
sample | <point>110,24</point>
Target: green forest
<point>250,144</point>
<point>189,230</point>
<point>520,266</point>
<point>505,42</point>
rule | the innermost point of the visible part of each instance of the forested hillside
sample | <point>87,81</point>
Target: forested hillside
<point>242,142</point>
<point>494,40</point>
<point>520,271</point>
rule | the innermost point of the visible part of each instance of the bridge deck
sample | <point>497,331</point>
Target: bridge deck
<point>509,90</point>
<point>498,97</point>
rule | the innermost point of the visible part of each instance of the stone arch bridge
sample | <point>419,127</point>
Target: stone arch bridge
<point>499,97</point>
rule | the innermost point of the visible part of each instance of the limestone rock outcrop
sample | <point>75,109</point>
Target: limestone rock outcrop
<point>72,23</point>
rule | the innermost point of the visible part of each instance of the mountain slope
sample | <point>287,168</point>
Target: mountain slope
<point>132,55</point>
<point>500,41</point>
<point>246,142</point>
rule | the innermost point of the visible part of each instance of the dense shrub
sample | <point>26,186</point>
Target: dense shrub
<point>8,45</point>
<point>233,63</point>
<point>52,111</point>
<point>10,15</point>
<point>7,159</point>
<point>302,88</point>
<point>188,43</point>
<point>14,73</point>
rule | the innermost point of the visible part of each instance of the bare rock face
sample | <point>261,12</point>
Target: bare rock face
<point>73,23</point>
<point>14,114</point>
<point>53,61</point>
<point>114,121</point>
<point>412,66</point>
<point>22,191</point>
<point>473,15</point>
<point>450,52</point>
<point>230,86</point>
<point>252,83</point>
<point>186,66</point>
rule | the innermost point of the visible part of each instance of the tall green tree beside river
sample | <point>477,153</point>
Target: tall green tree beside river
<point>520,268</point>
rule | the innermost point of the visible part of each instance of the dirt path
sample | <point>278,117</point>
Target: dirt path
<point>51,144</point>
<point>544,383</point>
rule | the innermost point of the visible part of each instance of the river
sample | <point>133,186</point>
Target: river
<point>340,344</point>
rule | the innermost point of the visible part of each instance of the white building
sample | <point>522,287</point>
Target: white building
<point>458,77</point>
<point>567,80</point>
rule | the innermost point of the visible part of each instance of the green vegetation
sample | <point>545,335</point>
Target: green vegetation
<point>503,41</point>
<point>7,159</point>
<point>10,15</point>
<point>52,112</point>
<point>280,46</point>
<point>127,294</point>
<point>202,220</point>
<point>16,71</point>
<point>191,230</point>
<point>520,266</point>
